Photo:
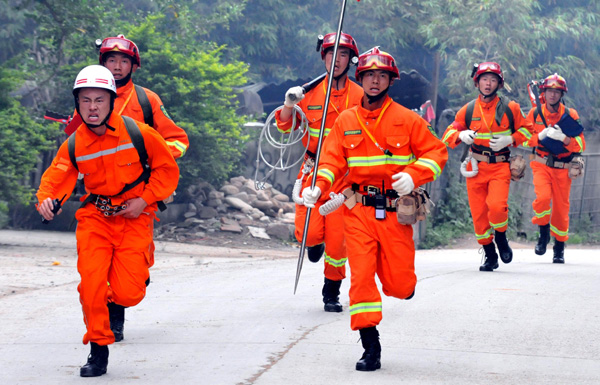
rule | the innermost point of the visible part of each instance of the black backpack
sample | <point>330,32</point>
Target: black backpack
<point>501,110</point>
<point>138,142</point>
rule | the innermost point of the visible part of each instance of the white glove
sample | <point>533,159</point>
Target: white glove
<point>310,196</point>
<point>497,144</point>
<point>556,133</point>
<point>467,136</point>
<point>293,96</point>
<point>544,133</point>
<point>403,184</point>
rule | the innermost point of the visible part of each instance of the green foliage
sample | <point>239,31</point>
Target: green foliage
<point>197,88</point>
<point>22,138</point>
<point>579,232</point>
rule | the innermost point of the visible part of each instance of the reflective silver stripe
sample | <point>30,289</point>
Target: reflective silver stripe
<point>104,152</point>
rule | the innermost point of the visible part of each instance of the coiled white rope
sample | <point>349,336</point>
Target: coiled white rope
<point>474,166</point>
<point>282,142</point>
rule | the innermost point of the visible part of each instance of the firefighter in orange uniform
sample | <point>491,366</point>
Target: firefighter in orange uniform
<point>122,57</point>
<point>551,176</point>
<point>383,151</point>
<point>114,231</point>
<point>489,124</point>
<point>324,235</point>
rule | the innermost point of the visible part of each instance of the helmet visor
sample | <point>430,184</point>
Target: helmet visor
<point>345,40</point>
<point>367,62</point>
<point>489,67</point>
<point>556,82</point>
<point>117,44</point>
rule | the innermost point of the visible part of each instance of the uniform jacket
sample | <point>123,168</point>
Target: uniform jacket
<point>577,143</point>
<point>348,149</point>
<point>485,125</point>
<point>108,162</point>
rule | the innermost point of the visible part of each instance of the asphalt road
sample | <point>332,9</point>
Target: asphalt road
<point>229,316</point>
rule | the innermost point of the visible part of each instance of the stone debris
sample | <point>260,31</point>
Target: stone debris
<point>236,207</point>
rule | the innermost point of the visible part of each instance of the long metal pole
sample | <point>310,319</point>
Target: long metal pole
<point>318,153</point>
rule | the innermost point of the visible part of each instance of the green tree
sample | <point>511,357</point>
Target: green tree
<point>22,139</point>
<point>197,87</point>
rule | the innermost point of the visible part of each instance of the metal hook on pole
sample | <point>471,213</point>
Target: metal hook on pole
<point>320,142</point>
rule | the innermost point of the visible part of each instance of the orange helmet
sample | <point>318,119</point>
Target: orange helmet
<point>122,45</point>
<point>555,81</point>
<point>345,41</point>
<point>488,67</point>
<point>374,59</point>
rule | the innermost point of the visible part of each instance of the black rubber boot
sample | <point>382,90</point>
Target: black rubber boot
<point>559,252</point>
<point>504,249</point>
<point>331,293</point>
<point>491,258</point>
<point>116,314</point>
<point>371,358</point>
<point>540,248</point>
<point>96,363</point>
<point>315,252</point>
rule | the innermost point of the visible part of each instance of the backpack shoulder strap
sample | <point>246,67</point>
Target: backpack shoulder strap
<point>146,106</point>
<point>469,113</point>
<point>137,139</point>
<point>138,142</point>
<point>71,148</point>
<point>501,110</point>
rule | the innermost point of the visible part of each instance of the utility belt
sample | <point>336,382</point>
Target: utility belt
<point>103,204</point>
<point>371,196</point>
<point>409,208</point>
<point>486,154</point>
<point>574,163</point>
<point>553,162</point>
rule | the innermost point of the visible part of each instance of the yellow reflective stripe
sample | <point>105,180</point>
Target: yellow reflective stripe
<point>430,164</point>
<point>525,132</point>
<point>488,135</point>
<point>542,214</point>
<point>335,262</point>
<point>109,151</point>
<point>182,148</point>
<point>315,131</point>
<point>365,307</point>
<point>487,234</point>
<point>369,161</point>
<point>325,173</point>
<point>580,143</point>
<point>559,232</point>
<point>498,225</point>
<point>448,134</point>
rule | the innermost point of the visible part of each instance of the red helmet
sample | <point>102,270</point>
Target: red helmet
<point>374,59</point>
<point>122,45</point>
<point>488,67</point>
<point>345,41</point>
<point>555,81</point>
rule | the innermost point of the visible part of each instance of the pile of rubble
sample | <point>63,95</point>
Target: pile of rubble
<point>237,207</point>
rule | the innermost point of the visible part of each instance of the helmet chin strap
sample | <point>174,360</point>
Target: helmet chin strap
<point>378,97</point>
<point>112,107</point>
<point>490,95</point>
<point>121,82</point>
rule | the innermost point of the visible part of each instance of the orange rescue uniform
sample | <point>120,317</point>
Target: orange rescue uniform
<point>323,229</point>
<point>488,190</point>
<point>552,185</point>
<point>378,246</point>
<point>114,248</point>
